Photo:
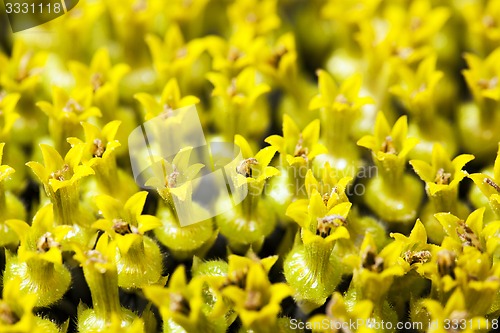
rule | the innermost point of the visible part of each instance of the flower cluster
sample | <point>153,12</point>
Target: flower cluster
<point>366,189</point>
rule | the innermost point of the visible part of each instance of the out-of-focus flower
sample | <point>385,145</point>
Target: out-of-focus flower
<point>254,17</point>
<point>10,205</point>
<point>170,100</point>
<point>8,114</point>
<point>21,72</point>
<point>102,77</point>
<point>482,77</point>
<point>173,56</point>
<point>237,108</point>
<point>483,24</point>
<point>416,89</point>
<point>66,112</point>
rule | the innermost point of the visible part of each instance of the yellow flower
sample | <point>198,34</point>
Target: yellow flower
<point>352,12</point>
<point>101,77</point>
<point>256,17</point>
<point>66,112</point>
<point>295,146</point>
<point>99,269</point>
<point>483,24</point>
<point>182,306</point>
<point>373,272</point>
<point>170,100</point>
<point>38,262</point>
<point>339,313</point>
<point>254,169</point>
<point>127,226</point>
<point>489,185</point>
<point>57,173</point>
<point>416,89</point>
<point>443,174</point>
<point>125,223</point>
<point>482,78</point>
<point>338,99</point>
<point>389,146</point>
<point>242,90</point>
<point>8,115</point>
<point>173,56</point>
<point>21,72</point>
<point>258,302</point>
<point>61,178</point>
<point>454,312</point>
<point>16,312</point>
<point>413,251</point>
<point>238,107</point>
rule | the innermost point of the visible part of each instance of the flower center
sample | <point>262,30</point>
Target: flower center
<point>245,167</point>
<point>234,54</point>
<point>121,227</point>
<point>46,242</point>
<point>442,178</point>
<point>488,84</point>
<point>489,21</point>
<point>417,257</point>
<point>254,300</point>
<point>7,316</point>
<point>60,174</point>
<point>492,184</point>
<point>179,304</point>
<point>236,278</point>
<point>325,224</point>
<point>73,106</point>
<point>372,261</point>
<point>388,146</point>
<point>467,236</point>
<point>446,262</point>
<point>97,81</point>
<point>172,177</point>
<point>300,150</point>
<point>277,56</point>
<point>99,148</point>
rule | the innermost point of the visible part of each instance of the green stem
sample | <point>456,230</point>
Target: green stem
<point>317,257</point>
<point>107,175</point>
<point>296,179</point>
<point>445,200</point>
<point>3,201</point>
<point>66,204</point>
<point>391,170</point>
<point>336,128</point>
<point>104,291</point>
<point>489,112</point>
<point>40,271</point>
